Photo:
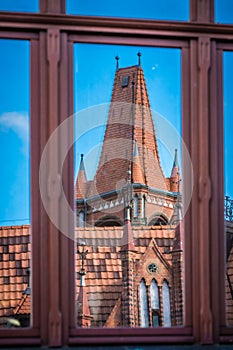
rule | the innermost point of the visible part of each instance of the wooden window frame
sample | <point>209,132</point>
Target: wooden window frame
<point>52,34</point>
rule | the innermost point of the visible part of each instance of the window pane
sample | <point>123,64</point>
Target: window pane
<point>19,5</point>
<point>224,11</point>
<point>228,156</point>
<point>163,10</point>
<point>15,184</point>
<point>166,305</point>
<point>144,314</point>
<point>125,150</point>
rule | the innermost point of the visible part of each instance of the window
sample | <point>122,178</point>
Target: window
<point>155,305</point>
<point>223,10</point>
<point>19,5</point>
<point>166,304</point>
<point>135,208</point>
<point>228,190</point>
<point>15,239</point>
<point>144,314</point>
<point>81,219</point>
<point>117,153</point>
<point>54,40</point>
<point>129,8</point>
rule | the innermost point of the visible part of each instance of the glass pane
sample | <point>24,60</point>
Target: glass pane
<point>19,5</point>
<point>224,11</point>
<point>163,10</point>
<point>128,155</point>
<point>15,184</point>
<point>228,156</point>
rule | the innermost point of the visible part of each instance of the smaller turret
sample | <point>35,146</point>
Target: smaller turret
<point>81,180</point>
<point>175,175</point>
<point>84,316</point>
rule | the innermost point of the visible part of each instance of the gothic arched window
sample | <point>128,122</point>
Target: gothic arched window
<point>81,219</point>
<point>154,298</point>
<point>143,302</point>
<point>166,305</point>
<point>135,206</point>
<point>143,206</point>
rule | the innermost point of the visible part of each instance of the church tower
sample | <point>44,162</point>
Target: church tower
<point>129,167</point>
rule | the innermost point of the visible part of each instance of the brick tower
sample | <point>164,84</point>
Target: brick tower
<point>129,149</point>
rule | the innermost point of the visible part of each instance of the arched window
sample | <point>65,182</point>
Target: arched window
<point>144,315</point>
<point>81,219</point>
<point>135,206</point>
<point>166,305</point>
<point>158,220</point>
<point>109,221</point>
<point>154,298</point>
<point>143,206</point>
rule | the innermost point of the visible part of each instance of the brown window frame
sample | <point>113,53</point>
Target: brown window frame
<point>202,43</point>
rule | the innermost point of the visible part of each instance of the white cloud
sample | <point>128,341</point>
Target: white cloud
<point>19,123</point>
<point>155,66</point>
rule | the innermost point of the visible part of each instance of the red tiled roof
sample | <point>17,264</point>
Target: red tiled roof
<point>103,264</point>
<point>14,264</point>
<point>24,306</point>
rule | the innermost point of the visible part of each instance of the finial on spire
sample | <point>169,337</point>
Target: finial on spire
<point>175,163</point>
<point>139,58</point>
<point>117,62</point>
<point>81,166</point>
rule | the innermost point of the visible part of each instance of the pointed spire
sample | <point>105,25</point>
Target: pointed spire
<point>175,163</point>
<point>129,123</point>
<point>81,166</point>
<point>84,316</point>
<point>127,252</point>
<point>175,175</point>
<point>137,171</point>
<point>117,62</point>
<point>81,180</point>
<point>127,243</point>
<point>177,220</point>
<point>139,58</point>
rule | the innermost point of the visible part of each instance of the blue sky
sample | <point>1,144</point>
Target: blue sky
<point>94,69</point>
<point>94,72</point>
<point>14,131</point>
<point>228,123</point>
<point>165,10</point>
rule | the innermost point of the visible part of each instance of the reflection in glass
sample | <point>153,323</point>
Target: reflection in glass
<point>224,11</point>
<point>144,317</point>
<point>163,10</point>
<point>15,290</point>
<point>129,247</point>
<point>228,171</point>
<point>166,304</point>
<point>19,5</point>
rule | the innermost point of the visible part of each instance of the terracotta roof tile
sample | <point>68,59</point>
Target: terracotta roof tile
<point>103,265</point>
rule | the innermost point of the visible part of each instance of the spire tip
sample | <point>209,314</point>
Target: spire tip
<point>139,58</point>
<point>117,62</point>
